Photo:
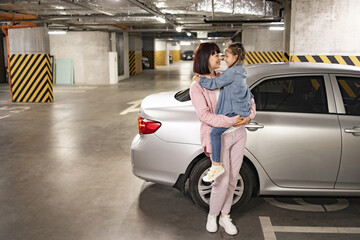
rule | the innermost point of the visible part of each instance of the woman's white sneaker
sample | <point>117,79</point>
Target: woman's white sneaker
<point>229,227</point>
<point>211,225</point>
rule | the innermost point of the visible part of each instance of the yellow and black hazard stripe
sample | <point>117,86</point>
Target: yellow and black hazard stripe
<point>31,78</point>
<point>255,57</point>
<point>335,59</point>
<point>132,67</point>
<point>151,56</point>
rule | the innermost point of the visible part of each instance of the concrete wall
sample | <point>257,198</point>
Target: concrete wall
<point>90,52</point>
<point>325,27</point>
<point>29,40</point>
<point>262,39</point>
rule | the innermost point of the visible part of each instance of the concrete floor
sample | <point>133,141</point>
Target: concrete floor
<point>65,173</point>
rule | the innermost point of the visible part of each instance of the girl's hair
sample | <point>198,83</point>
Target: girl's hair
<point>237,48</point>
<point>202,55</point>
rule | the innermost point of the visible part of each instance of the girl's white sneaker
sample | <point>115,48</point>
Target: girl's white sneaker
<point>213,173</point>
<point>229,227</point>
<point>211,225</point>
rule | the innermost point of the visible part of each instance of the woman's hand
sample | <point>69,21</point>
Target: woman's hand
<point>241,121</point>
<point>196,78</point>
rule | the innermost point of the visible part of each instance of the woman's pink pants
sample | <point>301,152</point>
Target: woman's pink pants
<point>223,188</point>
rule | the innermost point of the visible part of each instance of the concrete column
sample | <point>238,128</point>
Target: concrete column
<point>161,53</point>
<point>125,56</point>
<point>287,26</point>
<point>26,45</point>
<point>149,49</point>
<point>175,51</point>
<point>325,27</point>
<point>135,47</point>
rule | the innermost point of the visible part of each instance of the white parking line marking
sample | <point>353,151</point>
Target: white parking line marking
<point>308,207</point>
<point>14,109</point>
<point>269,230</point>
<point>67,91</point>
<point>133,108</point>
<point>6,116</point>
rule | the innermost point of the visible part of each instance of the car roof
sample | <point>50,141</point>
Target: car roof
<point>258,71</point>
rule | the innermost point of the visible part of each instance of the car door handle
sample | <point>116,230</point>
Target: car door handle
<point>355,131</point>
<point>253,126</point>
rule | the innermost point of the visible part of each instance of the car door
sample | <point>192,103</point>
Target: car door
<point>347,95</point>
<point>295,135</point>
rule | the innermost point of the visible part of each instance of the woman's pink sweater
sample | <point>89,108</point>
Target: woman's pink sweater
<point>205,103</point>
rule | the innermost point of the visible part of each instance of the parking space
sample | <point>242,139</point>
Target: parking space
<point>65,173</point>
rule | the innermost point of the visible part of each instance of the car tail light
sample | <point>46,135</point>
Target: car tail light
<point>147,126</point>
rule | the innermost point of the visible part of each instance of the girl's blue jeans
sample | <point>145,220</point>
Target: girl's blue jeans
<point>215,136</point>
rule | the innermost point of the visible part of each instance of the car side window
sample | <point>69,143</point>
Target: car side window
<point>350,92</point>
<point>292,94</point>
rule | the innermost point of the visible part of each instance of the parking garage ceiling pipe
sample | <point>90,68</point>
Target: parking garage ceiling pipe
<point>87,6</point>
<point>14,16</point>
<point>243,21</point>
<point>156,12</point>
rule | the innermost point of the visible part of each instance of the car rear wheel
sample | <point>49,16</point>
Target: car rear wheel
<point>200,191</point>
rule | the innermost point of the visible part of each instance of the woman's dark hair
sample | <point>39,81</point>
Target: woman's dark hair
<point>202,55</point>
<point>237,48</point>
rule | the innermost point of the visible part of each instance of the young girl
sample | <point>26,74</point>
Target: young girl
<point>234,99</point>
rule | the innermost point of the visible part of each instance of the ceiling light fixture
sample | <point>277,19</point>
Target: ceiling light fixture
<point>189,34</point>
<point>182,43</point>
<point>161,19</point>
<point>56,32</point>
<point>178,28</point>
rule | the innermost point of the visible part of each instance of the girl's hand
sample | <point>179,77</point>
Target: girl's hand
<point>196,78</point>
<point>242,121</point>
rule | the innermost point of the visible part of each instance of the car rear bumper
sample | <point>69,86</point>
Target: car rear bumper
<point>159,161</point>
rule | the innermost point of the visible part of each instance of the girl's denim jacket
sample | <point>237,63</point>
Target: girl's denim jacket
<point>235,96</point>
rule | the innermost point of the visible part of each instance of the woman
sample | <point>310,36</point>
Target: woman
<point>207,59</point>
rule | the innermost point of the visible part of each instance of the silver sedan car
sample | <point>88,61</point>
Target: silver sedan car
<point>304,140</point>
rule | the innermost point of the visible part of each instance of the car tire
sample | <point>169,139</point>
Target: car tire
<point>201,196</point>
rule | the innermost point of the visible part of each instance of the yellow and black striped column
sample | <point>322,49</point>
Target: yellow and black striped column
<point>132,68</point>
<point>31,78</point>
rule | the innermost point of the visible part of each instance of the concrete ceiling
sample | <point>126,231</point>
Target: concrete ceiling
<point>219,17</point>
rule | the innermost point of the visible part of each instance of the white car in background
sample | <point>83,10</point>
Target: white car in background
<point>304,140</point>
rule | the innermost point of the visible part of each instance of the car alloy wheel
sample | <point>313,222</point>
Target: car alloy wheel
<point>204,189</point>
<point>200,191</point>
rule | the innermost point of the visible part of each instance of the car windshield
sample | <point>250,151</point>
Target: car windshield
<point>183,95</point>
<point>189,52</point>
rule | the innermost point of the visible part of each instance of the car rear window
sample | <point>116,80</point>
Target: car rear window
<point>183,95</point>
